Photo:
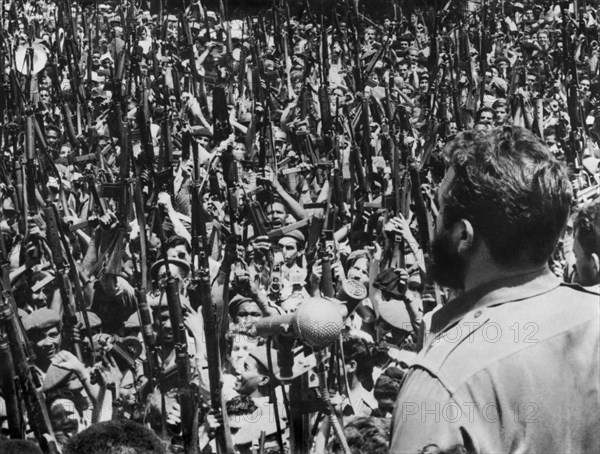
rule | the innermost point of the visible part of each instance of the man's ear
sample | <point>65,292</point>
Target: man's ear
<point>264,381</point>
<point>466,236</point>
<point>352,366</point>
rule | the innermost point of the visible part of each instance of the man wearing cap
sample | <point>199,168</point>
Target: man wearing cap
<point>43,327</point>
<point>37,292</point>
<point>203,135</point>
<point>293,266</point>
<point>244,309</point>
<point>292,247</point>
<point>255,377</point>
<point>478,383</point>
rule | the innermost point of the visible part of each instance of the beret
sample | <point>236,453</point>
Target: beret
<point>41,319</point>
<point>92,317</point>
<point>236,302</point>
<point>202,132</point>
<point>296,235</point>
<point>172,261</point>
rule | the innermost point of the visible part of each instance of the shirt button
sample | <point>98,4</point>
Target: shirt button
<point>477,314</point>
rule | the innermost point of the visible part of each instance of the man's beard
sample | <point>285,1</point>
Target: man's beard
<point>448,267</point>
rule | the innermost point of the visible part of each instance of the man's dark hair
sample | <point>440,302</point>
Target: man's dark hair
<point>500,103</point>
<point>115,437</point>
<point>53,128</point>
<point>366,434</point>
<point>512,190</point>
<point>8,446</point>
<point>482,110</point>
<point>550,131</point>
<point>80,402</point>
<point>386,388</point>
<point>263,369</point>
<point>358,349</point>
<point>176,240</point>
<point>587,228</point>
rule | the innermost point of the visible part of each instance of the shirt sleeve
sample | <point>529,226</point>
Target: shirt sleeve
<point>425,415</point>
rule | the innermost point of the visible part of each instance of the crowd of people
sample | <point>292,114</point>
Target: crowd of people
<point>176,185</point>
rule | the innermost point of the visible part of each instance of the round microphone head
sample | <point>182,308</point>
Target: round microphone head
<point>319,322</point>
<point>352,290</point>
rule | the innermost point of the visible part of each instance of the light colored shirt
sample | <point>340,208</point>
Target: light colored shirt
<point>511,366</point>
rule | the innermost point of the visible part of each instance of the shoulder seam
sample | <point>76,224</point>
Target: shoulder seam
<point>452,389</point>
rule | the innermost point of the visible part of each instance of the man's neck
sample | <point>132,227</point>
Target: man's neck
<point>259,394</point>
<point>353,383</point>
<point>483,270</point>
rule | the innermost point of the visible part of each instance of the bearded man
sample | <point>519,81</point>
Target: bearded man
<point>512,363</point>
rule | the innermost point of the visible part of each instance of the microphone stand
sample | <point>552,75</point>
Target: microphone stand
<point>273,392</point>
<point>299,420</point>
<point>324,390</point>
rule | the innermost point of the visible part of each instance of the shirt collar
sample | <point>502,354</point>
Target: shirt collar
<point>499,291</point>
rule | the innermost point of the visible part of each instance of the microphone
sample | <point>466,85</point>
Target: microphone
<point>316,322</point>
<point>351,293</point>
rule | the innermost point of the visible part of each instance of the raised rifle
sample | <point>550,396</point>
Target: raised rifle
<point>200,297</point>
<point>326,256</point>
<point>432,118</point>
<point>148,334</point>
<point>144,121</point>
<point>189,50</point>
<point>574,149</point>
<point>8,385</point>
<point>401,182</point>
<point>455,101</point>
<point>483,49</point>
<point>365,143</point>
<point>325,105</point>
<point>62,277</point>
<point>25,381</point>
<point>187,390</point>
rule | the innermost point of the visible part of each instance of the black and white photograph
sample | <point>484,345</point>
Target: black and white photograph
<point>299,227</point>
